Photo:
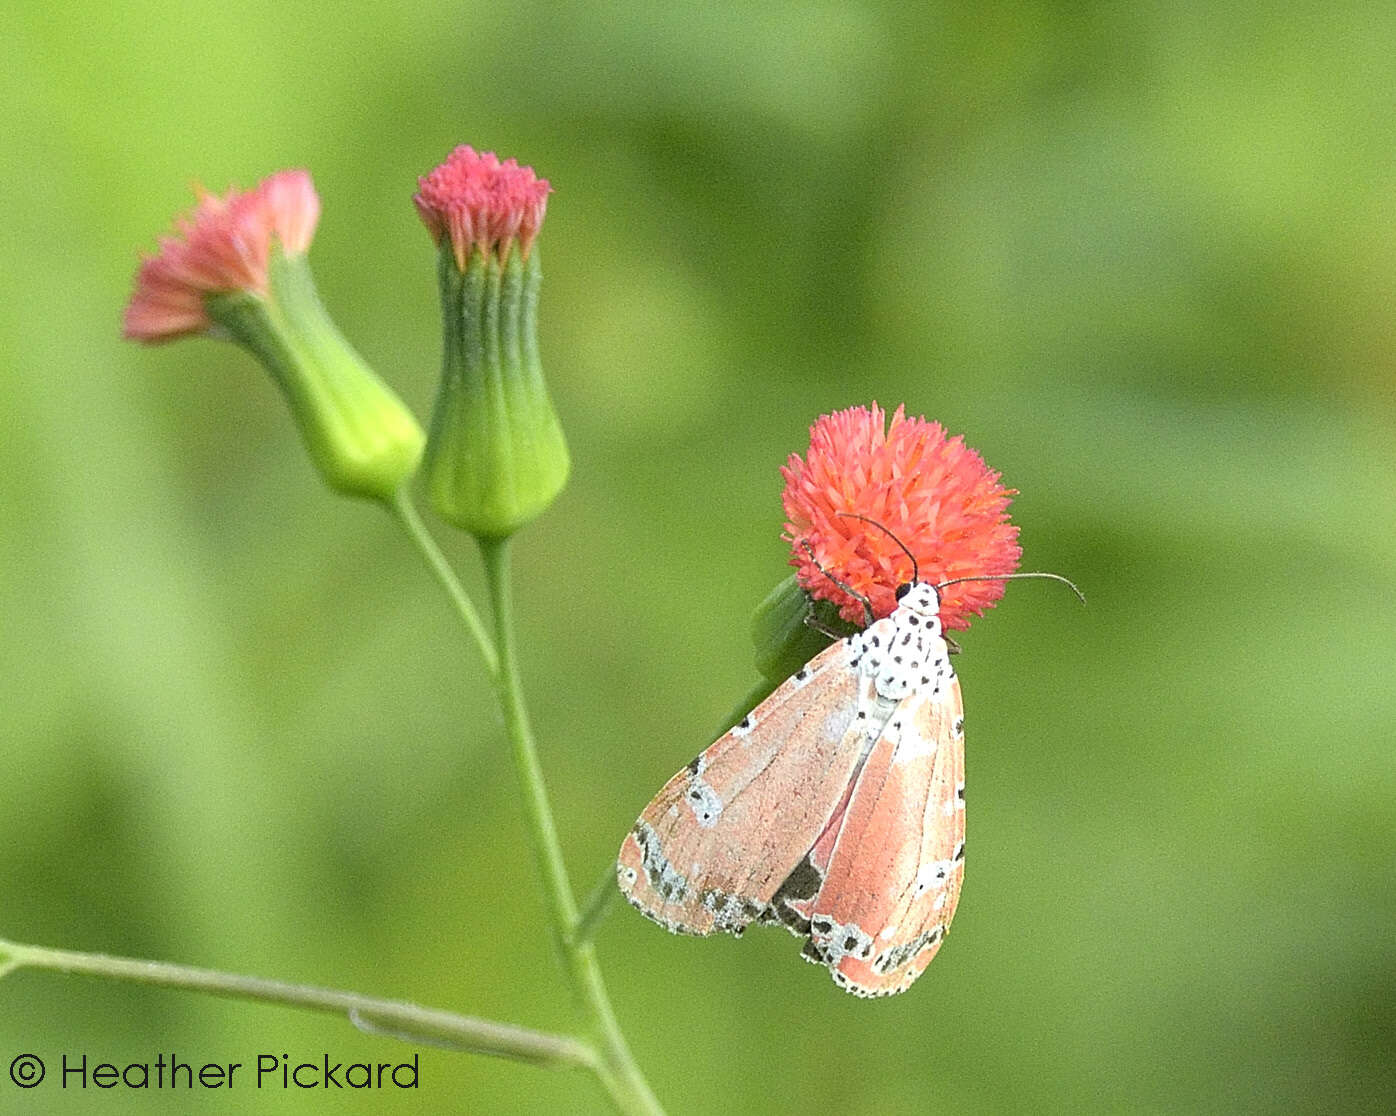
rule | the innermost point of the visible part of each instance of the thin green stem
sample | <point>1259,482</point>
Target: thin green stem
<point>405,514</point>
<point>390,1017</point>
<point>596,907</point>
<point>618,1072</point>
<point>561,905</point>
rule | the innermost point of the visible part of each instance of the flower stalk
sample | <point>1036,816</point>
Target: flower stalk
<point>618,1071</point>
<point>398,1018</point>
<point>404,513</point>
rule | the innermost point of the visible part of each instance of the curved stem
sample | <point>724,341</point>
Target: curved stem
<point>595,908</point>
<point>405,514</point>
<point>618,1072</point>
<point>390,1017</point>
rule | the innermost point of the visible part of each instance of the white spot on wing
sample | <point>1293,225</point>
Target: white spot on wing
<point>703,801</point>
<point>837,722</point>
<point>932,876</point>
<point>913,744</point>
<point>662,876</point>
<point>836,940</point>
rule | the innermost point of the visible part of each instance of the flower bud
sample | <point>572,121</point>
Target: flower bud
<point>496,457</point>
<point>361,436</point>
<point>237,268</point>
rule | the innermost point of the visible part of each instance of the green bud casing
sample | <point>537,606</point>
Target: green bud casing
<point>496,457</point>
<point>361,436</point>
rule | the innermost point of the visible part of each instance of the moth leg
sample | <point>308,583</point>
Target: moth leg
<point>813,621</point>
<point>852,592</point>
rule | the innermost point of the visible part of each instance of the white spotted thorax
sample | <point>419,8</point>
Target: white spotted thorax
<point>905,650</point>
<point>835,808</point>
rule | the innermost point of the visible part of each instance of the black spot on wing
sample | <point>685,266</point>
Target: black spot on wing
<point>803,882</point>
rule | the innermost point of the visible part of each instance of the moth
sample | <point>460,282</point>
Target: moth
<point>836,809</point>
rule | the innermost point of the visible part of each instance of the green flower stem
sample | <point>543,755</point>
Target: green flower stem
<point>403,511</point>
<point>391,1017</point>
<point>597,906</point>
<point>618,1072</point>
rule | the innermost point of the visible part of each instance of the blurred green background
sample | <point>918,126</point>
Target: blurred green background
<point>1142,256</point>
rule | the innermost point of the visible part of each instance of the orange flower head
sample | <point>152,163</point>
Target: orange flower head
<point>477,202</point>
<point>223,244</point>
<point>930,491</point>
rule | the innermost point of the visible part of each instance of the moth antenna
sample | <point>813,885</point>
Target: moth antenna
<point>852,592</point>
<point>1012,576</point>
<point>915,569</point>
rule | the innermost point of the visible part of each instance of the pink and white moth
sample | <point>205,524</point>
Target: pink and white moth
<point>836,809</point>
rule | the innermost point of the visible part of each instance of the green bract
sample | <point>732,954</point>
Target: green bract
<point>496,457</point>
<point>361,436</point>
<point>781,634</point>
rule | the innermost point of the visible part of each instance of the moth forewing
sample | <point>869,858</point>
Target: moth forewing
<point>715,844</point>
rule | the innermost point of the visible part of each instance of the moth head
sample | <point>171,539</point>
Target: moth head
<point>919,597</point>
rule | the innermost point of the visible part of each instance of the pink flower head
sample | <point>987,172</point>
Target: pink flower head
<point>479,202</point>
<point>222,244</point>
<point>933,493</point>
